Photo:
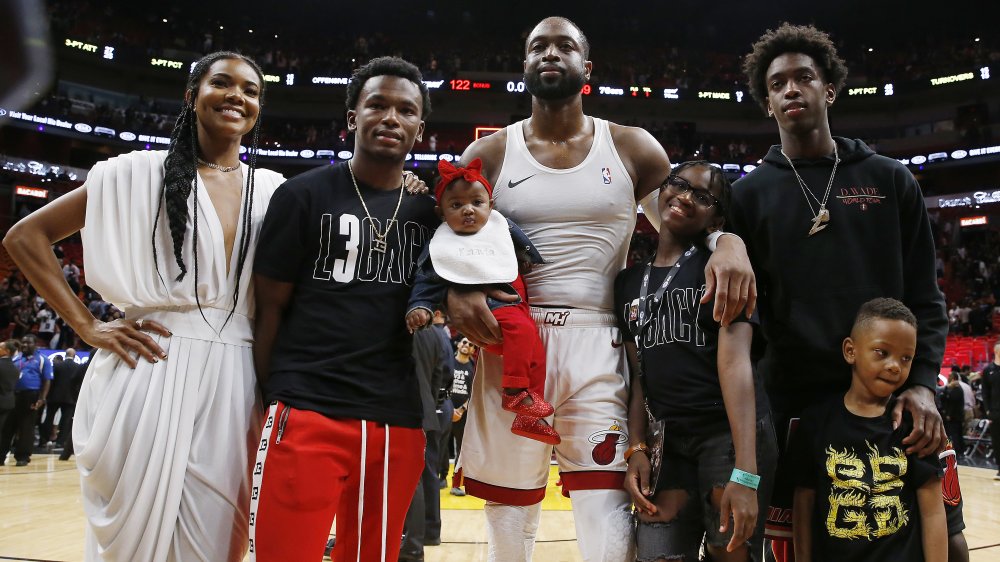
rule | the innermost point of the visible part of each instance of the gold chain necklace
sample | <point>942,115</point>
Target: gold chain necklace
<point>822,216</point>
<point>379,243</point>
<point>219,167</point>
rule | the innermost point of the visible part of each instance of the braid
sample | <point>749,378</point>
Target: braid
<point>178,178</point>
<point>194,238</point>
<point>247,231</point>
<point>179,173</point>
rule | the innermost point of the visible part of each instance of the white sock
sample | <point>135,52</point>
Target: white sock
<point>511,531</point>
<point>604,530</point>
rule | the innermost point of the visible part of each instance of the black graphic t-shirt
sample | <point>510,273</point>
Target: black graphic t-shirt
<point>866,486</point>
<point>679,349</point>
<point>461,385</point>
<point>342,348</point>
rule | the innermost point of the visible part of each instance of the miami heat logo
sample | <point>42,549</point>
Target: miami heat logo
<point>950,490</point>
<point>606,443</point>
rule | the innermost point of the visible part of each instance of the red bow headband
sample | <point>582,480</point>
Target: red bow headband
<point>471,173</point>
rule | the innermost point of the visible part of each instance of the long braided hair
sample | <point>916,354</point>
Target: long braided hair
<point>180,172</point>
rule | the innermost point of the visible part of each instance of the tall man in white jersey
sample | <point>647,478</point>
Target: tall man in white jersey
<point>571,181</point>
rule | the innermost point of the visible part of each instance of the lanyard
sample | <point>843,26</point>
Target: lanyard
<point>657,296</point>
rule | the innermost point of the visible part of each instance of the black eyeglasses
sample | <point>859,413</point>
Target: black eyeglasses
<point>700,196</point>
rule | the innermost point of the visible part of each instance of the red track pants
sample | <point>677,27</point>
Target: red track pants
<point>311,468</point>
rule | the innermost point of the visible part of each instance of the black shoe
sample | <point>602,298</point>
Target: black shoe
<point>432,541</point>
<point>22,463</point>
<point>65,456</point>
<point>410,557</point>
<point>329,546</point>
<point>443,483</point>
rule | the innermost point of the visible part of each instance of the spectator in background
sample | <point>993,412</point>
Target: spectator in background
<point>991,403</point>
<point>62,399</point>
<point>72,274</point>
<point>954,322</point>
<point>963,318</point>
<point>24,317</point>
<point>29,398</point>
<point>461,387</point>
<point>8,380</point>
<point>46,320</point>
<point>445,407</point>
<point>423,519</point>
<point>953,403</point>
<point>969,399</point>
<point>80,375</point>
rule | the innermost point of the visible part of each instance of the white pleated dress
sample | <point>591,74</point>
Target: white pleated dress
<point>164,449</point>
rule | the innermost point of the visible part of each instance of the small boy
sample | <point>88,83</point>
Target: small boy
<point>858,496</point>
<point>476,245</point>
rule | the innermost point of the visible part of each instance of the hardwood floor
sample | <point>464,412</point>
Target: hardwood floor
<point>41,518</point>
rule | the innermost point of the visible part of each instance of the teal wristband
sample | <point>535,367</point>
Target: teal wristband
<point>745,478</point>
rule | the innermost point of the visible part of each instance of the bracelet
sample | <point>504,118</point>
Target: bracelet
<point>745,478</point>
<point>635,449</point>
<point>712,240</point>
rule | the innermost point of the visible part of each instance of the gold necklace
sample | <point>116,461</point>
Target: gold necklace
<point>219,167</point>
<point>379,243</point>
<point>822,216</point>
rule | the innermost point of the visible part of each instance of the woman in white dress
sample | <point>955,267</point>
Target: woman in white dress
<point>169,415</point>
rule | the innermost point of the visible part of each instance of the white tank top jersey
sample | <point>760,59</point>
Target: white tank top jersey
<point>581,220</point>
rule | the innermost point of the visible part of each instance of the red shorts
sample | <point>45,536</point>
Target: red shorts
<point>311,468</point>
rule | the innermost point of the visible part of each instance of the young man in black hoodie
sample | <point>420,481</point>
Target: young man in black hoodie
<point>829,225</point>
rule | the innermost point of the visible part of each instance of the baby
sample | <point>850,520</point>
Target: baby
<point>476,245</point>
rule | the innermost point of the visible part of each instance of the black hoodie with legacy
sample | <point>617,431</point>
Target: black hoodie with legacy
<point>878,243</point>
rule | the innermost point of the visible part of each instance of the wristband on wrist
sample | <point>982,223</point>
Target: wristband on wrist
<point>745,478</point>
<point>635,449</point>
<point>712,240</point>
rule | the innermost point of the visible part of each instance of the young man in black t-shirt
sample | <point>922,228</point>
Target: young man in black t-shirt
<point>335,261</point>
<point>858,495</point>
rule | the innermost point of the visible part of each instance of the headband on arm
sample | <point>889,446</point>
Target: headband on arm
<point>471,173</point>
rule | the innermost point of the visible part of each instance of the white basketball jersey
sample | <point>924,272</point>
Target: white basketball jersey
<point>581,220</point>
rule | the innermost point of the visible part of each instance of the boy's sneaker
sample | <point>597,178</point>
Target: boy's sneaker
<point>539,408</point>
<point>535,428</point>
<point>456,491</point>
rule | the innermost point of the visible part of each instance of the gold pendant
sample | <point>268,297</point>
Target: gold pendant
<point>820,221</point>
<point>378,245</point>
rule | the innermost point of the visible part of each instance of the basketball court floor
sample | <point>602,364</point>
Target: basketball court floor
<point>41,517</point>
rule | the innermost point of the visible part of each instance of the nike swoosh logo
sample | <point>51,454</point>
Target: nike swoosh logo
<point>513,184</point>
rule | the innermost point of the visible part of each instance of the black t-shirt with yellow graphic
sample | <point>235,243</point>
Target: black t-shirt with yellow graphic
<point>866,486</point>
